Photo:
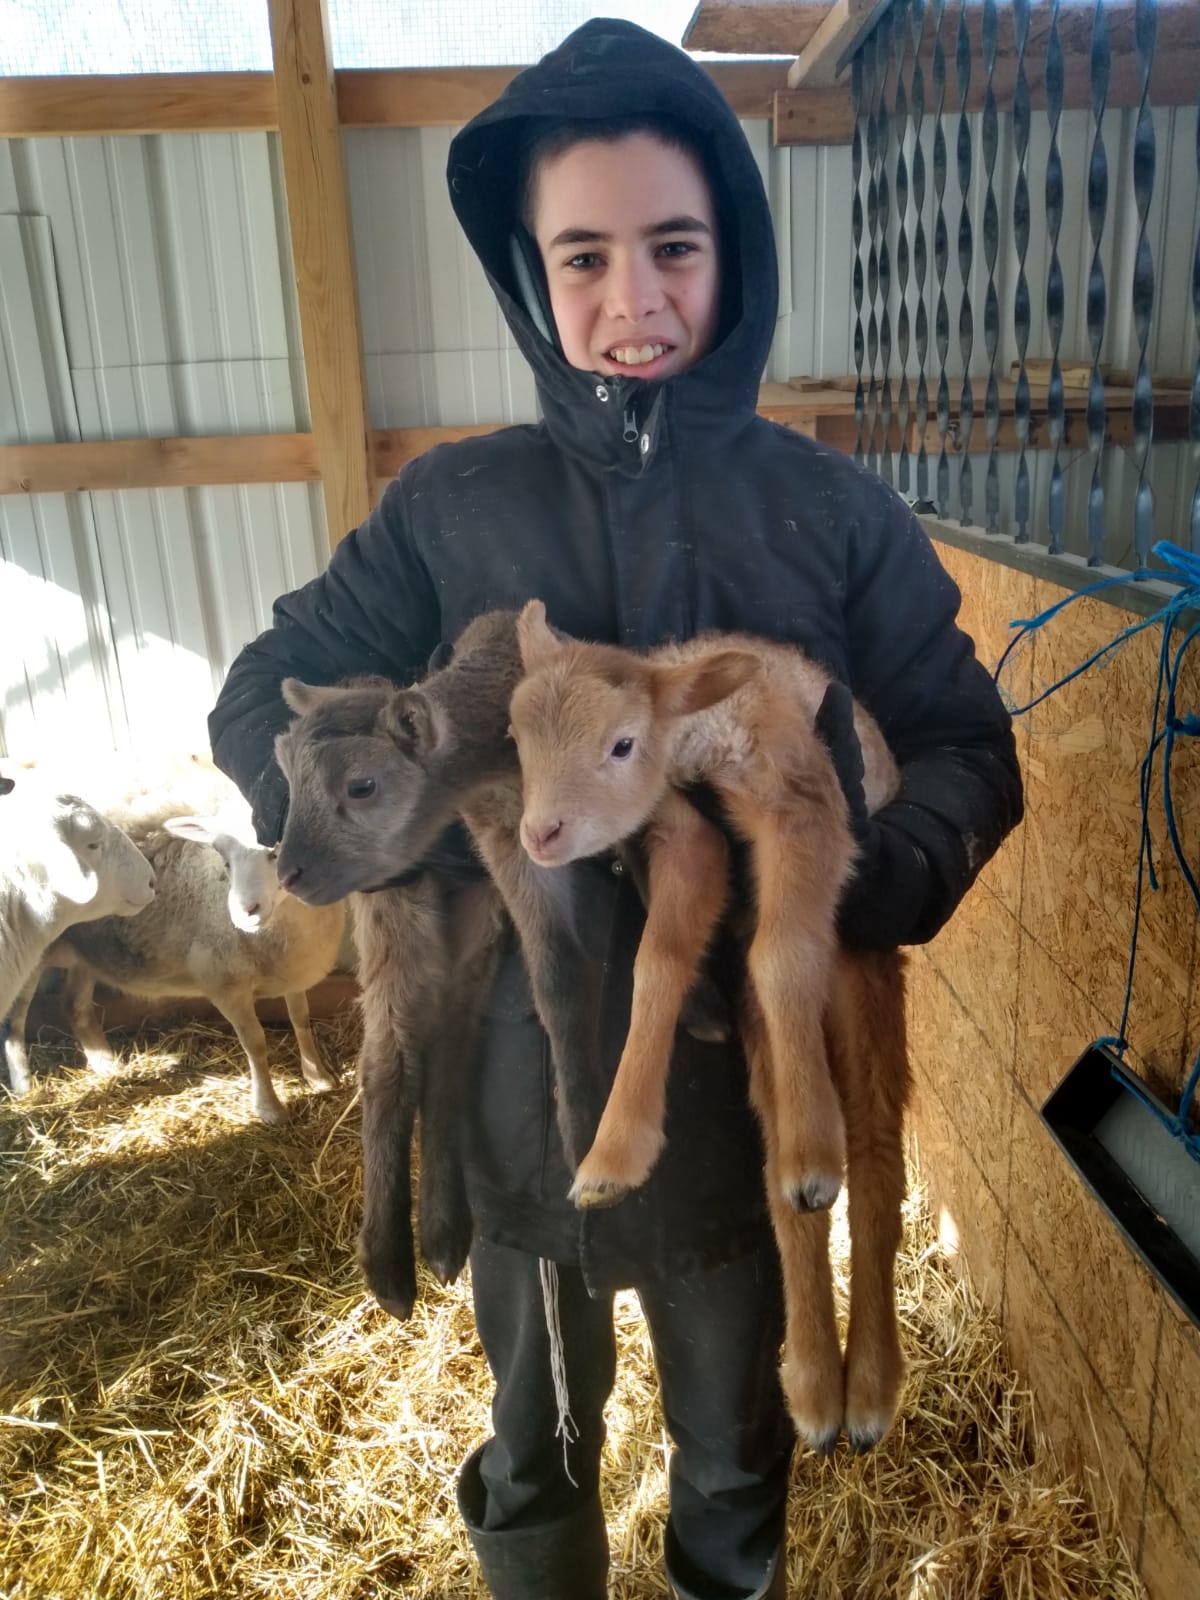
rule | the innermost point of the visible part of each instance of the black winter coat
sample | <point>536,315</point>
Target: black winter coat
<point>640,512</point>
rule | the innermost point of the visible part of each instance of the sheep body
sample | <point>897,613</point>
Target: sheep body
<point>60,862</point>
<point>229,942</point>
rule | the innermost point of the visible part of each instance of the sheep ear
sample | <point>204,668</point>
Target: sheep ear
<point>304,697</point>
<point>536,642</point>
<point>200,829</point>
<point>409,719</point>
<point>693,686</point>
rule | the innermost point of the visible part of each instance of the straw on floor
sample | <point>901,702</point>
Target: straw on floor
<point>199,1400</point>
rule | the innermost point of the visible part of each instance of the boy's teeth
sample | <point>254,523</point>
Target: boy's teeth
<point>635,355</point>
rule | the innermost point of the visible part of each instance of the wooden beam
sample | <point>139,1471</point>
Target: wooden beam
<point>754,27</point>
<point>417,97</point>
<point>108,464</point>
<point>816,65</point>
<point>812,116</point>
<point>189,102</point>
<point>151,102</point>
<point>319,216</point>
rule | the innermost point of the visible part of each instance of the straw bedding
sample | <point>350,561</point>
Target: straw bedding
<point>198,1399</point>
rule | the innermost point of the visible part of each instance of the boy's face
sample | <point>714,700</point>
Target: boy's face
<point>628,237</point>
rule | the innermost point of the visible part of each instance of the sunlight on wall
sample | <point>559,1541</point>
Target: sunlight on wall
<point>61,697</point>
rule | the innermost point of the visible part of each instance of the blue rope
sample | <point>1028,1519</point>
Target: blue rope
<point>1182,567</point>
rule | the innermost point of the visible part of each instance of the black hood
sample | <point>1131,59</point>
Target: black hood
<point>610,69</point>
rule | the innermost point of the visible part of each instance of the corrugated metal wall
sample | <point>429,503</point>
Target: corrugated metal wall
<point>146,288</point>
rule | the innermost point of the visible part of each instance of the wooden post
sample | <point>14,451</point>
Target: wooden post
<point>319,218</point>
<point>816,65</point>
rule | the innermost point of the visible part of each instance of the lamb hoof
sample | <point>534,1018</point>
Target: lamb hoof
<point>394,1289</point>
<point>812,1194</point>
<point>396,1307</point>
<point>594,1194</point>
<point>272,1112</point>
<point>822,1443</point>
<point>865,1436</point>
<point>320,1080</point>
<point>445,1251</point>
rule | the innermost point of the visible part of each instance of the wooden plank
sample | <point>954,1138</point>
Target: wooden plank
<point>417,97</point>
<point>812,117</point>
<point>318,213</point>
<point>820,407</point>
<point>152,102</point>
<point>157,463</point>
<point>450,96</point>
<point>816,65</point>
<point>754,27</point>
<point>246,101</point>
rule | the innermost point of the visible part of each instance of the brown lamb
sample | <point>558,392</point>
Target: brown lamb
<point>606,739</point>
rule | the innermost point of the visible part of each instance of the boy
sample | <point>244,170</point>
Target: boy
<point>619,214</point>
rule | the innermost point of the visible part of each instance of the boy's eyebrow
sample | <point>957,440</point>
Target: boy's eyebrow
<point>681,224</point>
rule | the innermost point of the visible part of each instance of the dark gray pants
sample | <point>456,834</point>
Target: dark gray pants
<point>716,1337</point>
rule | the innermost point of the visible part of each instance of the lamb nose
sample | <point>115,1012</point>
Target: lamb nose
<point>542,836</point>
<point>292,877</point>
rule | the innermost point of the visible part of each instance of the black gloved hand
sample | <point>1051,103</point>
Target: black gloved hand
<point>886,901</point>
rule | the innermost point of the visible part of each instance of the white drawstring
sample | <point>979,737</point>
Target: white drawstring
<point>548,1271</point>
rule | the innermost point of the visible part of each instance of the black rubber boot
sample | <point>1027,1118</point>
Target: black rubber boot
<point>773,1586</point>
<point>563,1560</point>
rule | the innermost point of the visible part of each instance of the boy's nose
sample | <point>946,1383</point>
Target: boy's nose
<point>634,291</point>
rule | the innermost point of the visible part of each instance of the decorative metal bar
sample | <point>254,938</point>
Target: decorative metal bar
<point>903,326</point>
<point>886,35</point>
<point>966,320</point>
<point>941,257</point>
<point>920,258</point>
<point>856,231</point>
<point>1021,301</point>
<point>871,86</point>
<point>1145,26</point>
<point>1055,297</point>
<point>1194,409</point>
<point>991,247</point>
<point>1096,298</point>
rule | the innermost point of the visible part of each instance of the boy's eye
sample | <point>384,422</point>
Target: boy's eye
<point>678,248</point>
<point>583,262</point>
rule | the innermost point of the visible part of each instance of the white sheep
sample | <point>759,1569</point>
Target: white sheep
<point>61,862</point>
<point>221,928</point>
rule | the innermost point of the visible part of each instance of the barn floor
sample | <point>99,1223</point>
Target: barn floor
<point>198,1400</point>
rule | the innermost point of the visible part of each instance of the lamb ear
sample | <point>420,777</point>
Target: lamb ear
<point>201,829</point>
<point>536,642</point>
<point>304,697</point>
<point>693,686</point>
<point>409,719</point>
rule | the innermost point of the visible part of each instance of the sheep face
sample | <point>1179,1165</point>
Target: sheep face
<point>363,806</point>
<point>595,729</point>
<point>92,865</point>
<point>592,763</point>
<point>254,887</point>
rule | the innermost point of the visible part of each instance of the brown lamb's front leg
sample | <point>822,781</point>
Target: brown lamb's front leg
<point>688,867</point>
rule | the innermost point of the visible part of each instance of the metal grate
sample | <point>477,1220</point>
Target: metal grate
<point>1045,413</point>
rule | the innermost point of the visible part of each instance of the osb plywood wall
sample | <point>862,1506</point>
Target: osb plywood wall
<point>1031,970</point>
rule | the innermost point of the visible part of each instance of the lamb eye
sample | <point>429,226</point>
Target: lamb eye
<point>621,749</point>
<point>360,788</point>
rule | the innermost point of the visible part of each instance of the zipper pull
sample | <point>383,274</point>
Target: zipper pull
<point>631,426</point>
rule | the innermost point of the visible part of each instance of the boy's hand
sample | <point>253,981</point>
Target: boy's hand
<point>884,900</point>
